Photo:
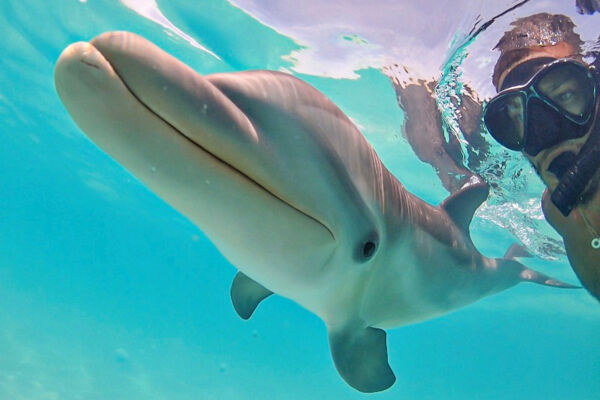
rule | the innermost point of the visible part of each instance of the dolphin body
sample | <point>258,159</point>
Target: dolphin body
<point>289,191</point>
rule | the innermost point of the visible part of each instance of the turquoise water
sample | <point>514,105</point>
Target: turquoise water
<point>108,293</point>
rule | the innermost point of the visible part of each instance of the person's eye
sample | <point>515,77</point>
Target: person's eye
<point>566,96</point>
<point>563,92</point>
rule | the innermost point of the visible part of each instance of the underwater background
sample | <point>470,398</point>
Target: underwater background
<point>108,293</point>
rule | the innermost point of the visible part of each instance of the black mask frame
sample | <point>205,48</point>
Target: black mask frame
<point>540,121</point>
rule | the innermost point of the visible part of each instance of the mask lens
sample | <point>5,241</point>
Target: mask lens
<point>570,88</point>
<point>504,118</point>
<point>547,127</point>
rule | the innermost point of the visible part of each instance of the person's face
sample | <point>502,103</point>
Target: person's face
<point>564,91</point>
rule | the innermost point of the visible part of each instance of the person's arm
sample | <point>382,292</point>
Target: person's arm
<point>577,235</point>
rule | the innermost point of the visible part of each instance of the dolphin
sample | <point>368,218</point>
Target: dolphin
<point>289,191</point>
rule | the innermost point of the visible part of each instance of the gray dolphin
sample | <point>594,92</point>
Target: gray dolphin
<point>289,191</point>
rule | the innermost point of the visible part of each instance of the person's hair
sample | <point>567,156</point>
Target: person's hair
<point>538,30</point>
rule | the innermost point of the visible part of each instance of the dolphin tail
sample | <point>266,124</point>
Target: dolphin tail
<point>531,275</point>
<point>526,274</point>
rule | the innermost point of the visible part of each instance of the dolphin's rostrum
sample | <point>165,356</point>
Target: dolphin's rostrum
<point>289,191</point>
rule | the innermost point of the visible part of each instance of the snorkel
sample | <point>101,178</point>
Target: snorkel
<point>575,180</point>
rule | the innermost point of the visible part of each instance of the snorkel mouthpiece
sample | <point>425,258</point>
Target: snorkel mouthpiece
<point>574,181</point>
<point>561,164</point>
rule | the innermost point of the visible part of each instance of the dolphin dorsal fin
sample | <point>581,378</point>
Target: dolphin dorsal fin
<point>460,206</point>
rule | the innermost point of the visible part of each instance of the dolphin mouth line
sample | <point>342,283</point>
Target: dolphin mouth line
<point>214,156</point>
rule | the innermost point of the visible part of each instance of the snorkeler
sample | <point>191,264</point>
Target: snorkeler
<point>547,108</point>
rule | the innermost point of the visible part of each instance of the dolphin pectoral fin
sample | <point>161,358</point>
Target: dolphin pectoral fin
<point>246,294</point>
<point>361,358</point>
<point>460,206</point>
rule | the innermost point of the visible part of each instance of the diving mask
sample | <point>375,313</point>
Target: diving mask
<point>556,104</point>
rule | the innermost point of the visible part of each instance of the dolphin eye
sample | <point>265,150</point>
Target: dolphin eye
<point>369,249</point>
<point>366,248</point>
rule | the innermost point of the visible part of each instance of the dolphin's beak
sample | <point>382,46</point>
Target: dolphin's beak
<point>191,145</point>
